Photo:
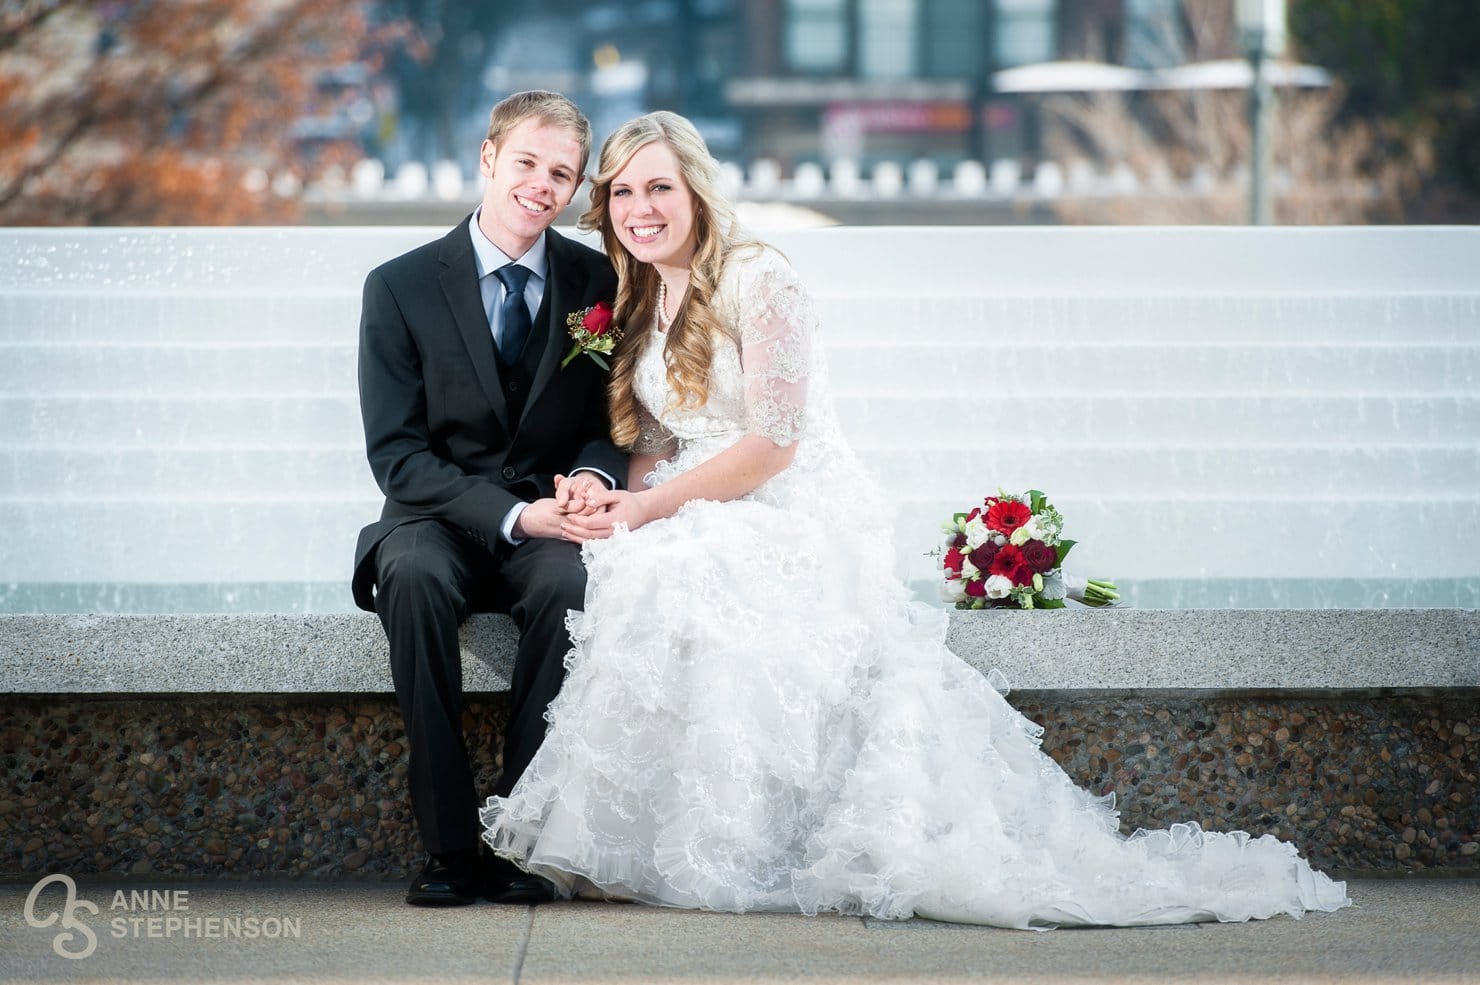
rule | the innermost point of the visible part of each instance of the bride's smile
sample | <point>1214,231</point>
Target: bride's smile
<point>652,209</point>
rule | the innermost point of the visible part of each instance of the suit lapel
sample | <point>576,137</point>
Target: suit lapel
<point>459,282</point>
<point>563,288</point>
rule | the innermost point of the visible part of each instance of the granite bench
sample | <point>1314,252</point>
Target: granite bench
<point>270,745</point>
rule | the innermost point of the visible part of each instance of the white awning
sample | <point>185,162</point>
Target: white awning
<point>1236,73</point>
<point>1231,73</point>
<point>1068,77</point>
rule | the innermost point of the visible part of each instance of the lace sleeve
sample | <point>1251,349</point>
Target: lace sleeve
<point>652,437</point>
<point>775,350</point>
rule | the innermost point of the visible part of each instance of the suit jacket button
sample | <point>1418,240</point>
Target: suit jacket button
<point>513,386</point>
<point>509,472</point>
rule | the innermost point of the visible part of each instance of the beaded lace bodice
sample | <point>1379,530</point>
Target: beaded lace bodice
<point>773,384</point>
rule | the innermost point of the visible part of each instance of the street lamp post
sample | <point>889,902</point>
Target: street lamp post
<point>1261,25</point>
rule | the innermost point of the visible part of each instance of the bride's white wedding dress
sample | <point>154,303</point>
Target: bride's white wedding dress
<point>756,717</point>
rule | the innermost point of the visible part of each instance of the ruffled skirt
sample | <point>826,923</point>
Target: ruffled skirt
<point>756,718</point>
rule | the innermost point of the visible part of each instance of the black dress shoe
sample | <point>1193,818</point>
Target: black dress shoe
<point>505,882</point>
<point>447,880</point>
<point>527,890</point>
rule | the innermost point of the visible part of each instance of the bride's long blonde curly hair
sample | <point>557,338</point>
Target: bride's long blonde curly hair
<point>689,347</point>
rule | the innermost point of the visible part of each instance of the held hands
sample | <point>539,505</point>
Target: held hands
<point>573,493</point>
<point>582,509</point>
<point>574,496</point>
<point>611,507</point>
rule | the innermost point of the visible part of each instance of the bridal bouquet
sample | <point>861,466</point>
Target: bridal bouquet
<point>1009,553</point>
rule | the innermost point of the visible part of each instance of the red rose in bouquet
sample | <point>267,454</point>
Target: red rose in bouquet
<point>982,557</point>
<point>1039,556</point>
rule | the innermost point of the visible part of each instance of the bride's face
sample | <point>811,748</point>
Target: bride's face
<point>652,209</point>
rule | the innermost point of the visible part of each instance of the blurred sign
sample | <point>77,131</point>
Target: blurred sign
<point>897,117</point>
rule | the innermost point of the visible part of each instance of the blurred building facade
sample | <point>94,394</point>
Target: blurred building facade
<point>815,80</point>
<point>888,79</point>
<point>888,111</point>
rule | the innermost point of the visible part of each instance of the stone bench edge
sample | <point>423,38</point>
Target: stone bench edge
<point>1219,649</point>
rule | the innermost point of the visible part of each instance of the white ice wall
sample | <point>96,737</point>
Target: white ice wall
<point>179,407</point>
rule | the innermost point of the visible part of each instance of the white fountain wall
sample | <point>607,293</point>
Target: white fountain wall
<point>1224,416</point>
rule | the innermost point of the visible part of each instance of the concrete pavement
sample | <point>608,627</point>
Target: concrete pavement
<point>1399,931</point>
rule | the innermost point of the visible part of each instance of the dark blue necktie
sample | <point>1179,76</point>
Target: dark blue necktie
<point>514,314</point>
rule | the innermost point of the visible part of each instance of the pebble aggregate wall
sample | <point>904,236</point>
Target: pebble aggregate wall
<point>315,786</point>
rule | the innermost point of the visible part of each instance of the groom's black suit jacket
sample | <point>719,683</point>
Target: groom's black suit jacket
<point>441,435</point>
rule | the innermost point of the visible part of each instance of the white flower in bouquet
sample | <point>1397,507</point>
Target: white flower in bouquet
<point>949,531</point>
<point>969,571</point>
<point>1028,531</point>
<point>999,587</point>
<point>953,590</point>
<point>976,532</point>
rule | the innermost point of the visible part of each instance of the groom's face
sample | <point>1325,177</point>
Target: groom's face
<point>532,174</point>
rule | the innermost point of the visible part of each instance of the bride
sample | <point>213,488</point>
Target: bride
<point>755,715</point>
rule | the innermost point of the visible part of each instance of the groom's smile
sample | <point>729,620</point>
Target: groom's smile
<point>532,206</point>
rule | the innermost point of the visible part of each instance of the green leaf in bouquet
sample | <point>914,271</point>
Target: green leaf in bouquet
<point>1036,499</point>
<point>1063,549</point>
<point>959,517</point>
<point>1051,604</point>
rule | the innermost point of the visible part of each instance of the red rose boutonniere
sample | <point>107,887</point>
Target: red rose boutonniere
<point>592,330</point>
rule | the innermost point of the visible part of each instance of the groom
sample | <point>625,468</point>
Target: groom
<point>470,422</point>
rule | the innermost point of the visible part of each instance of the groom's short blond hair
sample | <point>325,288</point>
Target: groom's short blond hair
<point>550,108</point>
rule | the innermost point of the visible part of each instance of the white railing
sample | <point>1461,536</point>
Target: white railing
<point>764,179</point>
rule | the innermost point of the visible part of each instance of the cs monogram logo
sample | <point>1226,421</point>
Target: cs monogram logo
<point>70,924</point>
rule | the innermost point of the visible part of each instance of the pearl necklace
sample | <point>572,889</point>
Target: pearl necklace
<point>663,318</point>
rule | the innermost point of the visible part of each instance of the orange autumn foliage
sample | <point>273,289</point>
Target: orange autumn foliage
<point>168,112</point>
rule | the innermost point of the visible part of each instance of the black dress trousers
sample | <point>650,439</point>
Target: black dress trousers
<point>429,578</point>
